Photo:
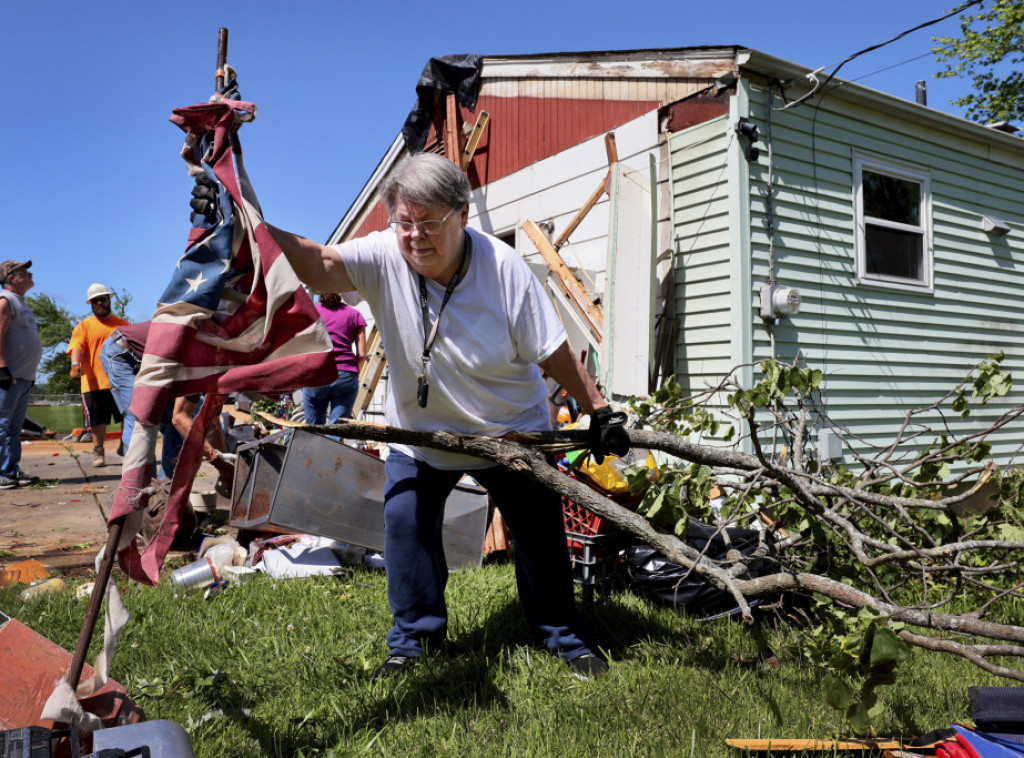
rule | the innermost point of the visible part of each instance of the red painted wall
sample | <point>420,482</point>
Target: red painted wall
<point>524,130</point>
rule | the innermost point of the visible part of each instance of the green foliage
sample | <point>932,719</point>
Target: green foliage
<point>776,383</point>
<point>988,53</point>
<point>675,496</point>
<point>55,324</point>
<point>858,652</point>
<point>669,410</point>
<point>987,381</point>
<point>119,303</point>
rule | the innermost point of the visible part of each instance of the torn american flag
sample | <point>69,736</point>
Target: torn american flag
<point>234,318</point>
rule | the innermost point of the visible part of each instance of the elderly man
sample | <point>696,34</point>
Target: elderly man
<point>466,326</point>
<point>20,353</point>
<point>86,340</point>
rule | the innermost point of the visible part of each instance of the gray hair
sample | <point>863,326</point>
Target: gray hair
<point>426,179</point>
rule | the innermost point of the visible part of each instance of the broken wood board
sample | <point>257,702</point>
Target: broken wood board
<point>782,744</point>
<point>567,280</point>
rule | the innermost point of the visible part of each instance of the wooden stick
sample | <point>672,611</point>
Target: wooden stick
<point>95,603</point>
<point>613,158</point>
<point>451,131</point>
<point>787,745</point>
<point>222,58</point>
<point>566,279</point>
<point>474,139</point>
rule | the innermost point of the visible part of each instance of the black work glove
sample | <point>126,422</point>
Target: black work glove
<point>203,202</point>
<point>6,379</point>
<point>608,435</point>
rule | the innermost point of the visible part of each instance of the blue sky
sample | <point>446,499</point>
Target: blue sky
<point>94,190</point>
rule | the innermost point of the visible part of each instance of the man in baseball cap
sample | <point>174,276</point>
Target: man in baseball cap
<point>84,347</point>
<point>9,267</point>
<point>20,352</point>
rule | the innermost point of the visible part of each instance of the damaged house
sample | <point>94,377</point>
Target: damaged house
<point>712,207</point>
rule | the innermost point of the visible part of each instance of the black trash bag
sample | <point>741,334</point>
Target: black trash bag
<point>658,579</point>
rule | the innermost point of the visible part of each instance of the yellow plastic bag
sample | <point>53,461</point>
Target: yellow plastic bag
<point>607,476</point>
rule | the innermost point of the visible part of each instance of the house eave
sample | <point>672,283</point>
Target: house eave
<point>770,67</point>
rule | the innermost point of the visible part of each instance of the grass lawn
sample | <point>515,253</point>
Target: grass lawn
<point>286,669</point>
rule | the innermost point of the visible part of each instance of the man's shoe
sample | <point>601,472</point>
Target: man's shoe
<point>587,666</point>
<point>394,665</point>
<point>97,459</point>
<point>26,480</point>
<point>8,483</point>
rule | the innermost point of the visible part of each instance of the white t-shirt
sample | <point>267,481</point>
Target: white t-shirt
<point>497,326</point>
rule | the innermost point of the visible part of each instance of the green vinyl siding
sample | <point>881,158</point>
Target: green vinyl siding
<point>886,351</point>
<point>701,218</point>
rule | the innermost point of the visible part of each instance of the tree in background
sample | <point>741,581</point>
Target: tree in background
<point>990,49</point>
<point>55,325</point>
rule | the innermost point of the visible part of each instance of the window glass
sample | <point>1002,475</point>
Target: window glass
<point>893,247</point>
<point>892,199</point>
<point>891,252</point>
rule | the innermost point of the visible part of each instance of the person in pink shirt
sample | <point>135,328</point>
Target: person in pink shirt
<point>347,328</point>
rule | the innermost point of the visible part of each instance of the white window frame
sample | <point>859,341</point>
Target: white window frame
<point>904,173</point>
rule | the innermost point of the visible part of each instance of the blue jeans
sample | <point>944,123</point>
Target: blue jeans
<point>340,395</point>
<point>414,498</point>
<point>121,366</point>
<point>13,407</point>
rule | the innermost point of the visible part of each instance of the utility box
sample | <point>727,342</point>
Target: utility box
<point>311,484</point>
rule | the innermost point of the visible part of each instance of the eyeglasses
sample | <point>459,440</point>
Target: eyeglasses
<point>101,299</point>
<point>431,226</point>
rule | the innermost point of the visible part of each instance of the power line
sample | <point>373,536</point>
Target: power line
<point>818,86</point>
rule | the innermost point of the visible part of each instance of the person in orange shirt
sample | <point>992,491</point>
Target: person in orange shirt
<point>84,347</point>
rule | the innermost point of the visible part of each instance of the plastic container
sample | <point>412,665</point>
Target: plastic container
<point>195,575</point>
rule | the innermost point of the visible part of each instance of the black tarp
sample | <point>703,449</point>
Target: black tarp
<point>447,75</point>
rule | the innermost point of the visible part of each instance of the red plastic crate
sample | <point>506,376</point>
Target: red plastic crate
<point>580,521</point>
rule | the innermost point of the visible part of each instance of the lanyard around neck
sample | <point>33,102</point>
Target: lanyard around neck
<point>430,334</point>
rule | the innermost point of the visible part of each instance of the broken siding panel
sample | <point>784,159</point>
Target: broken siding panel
<point>700,223</point>
<point>557,187</point>
<point>885,351</point>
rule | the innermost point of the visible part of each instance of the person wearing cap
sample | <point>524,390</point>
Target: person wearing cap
<point>20,353</point>
<point>86,340</point>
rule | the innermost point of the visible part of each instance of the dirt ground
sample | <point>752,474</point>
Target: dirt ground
<point>62,521</point>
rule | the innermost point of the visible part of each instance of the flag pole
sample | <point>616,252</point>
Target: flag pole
<point>106,566</point>
<point>95,602</point>
<point>222,58</point>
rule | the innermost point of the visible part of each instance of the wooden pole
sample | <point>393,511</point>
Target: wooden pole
<point>95,603</point>
<point>222,58</point>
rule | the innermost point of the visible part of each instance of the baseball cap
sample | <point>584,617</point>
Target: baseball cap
<point>9,267</point>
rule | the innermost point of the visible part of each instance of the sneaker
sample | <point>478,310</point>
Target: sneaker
<point>8,483</point>
<point>26,480</point>
<point>97,459</point>
<point>394,665</point>
<point>587,666</point>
